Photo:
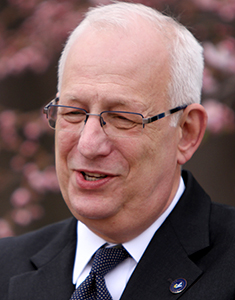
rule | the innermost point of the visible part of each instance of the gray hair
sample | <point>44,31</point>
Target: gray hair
<point>184,50</point>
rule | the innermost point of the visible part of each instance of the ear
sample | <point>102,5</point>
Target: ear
<point>192,125</point>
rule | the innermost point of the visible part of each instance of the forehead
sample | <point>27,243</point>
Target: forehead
<point>130,63</point>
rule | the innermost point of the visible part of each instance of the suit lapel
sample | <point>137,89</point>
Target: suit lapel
<point>164,261</point>
<point>52,277</point>
<point>169,255</point>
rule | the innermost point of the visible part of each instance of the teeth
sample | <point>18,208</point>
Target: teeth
<point>93,176</point>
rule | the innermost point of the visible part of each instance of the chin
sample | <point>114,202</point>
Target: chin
<point>92,213</point>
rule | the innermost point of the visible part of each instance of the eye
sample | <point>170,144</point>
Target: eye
<point>123,120</point>
<point>71,115</point>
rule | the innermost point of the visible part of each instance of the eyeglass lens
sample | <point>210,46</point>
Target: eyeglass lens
<point>113,123</point>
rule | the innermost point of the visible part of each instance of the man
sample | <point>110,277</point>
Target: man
<point>127,116</point>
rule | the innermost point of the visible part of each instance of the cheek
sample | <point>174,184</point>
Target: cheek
<point>154,165</point>
<point>64,143</point>
<point>141,158</point>
<point>156,154</point>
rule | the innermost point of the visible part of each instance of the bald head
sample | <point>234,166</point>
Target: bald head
<point>185,53</point>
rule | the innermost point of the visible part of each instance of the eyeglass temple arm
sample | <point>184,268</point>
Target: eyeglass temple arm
<point>164,114</point>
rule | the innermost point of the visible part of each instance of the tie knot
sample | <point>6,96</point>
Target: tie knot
<point>108,258</point>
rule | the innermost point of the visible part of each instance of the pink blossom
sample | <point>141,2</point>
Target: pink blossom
<point>103,2</point>
<point>25,58</point>
<point>221,56</point>
<point>32,130</point>
<point>37,181</point>
<point>220,117</point>
<point>8,119</point>
<point>227,12</point>
<point>42,181</point>
<point>29,168</point>
<point>209,5</point>
<point>23,4</point>
<point>51,181</point>
<point>5,229</point>
<point>25,216</point>
<point>20,197</point>
<point>22,216</point>
<point>36,59</point>
<point>28,148</point>
<point>7,128</point>
<point>210,85</point>
<point>225,9</point>
<point>10,139</point>
<point>36,211</point>
<point>39,37</point>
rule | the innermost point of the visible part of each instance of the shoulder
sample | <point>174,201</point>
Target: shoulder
<point>32,242</point>
<point>26,253</point>
<point>197,219</point>
<point>222,222</point>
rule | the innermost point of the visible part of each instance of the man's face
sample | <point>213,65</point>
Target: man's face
<point>117,186</point>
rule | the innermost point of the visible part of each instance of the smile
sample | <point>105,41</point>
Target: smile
<point>93,176</point>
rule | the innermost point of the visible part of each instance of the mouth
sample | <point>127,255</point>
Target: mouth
<point>93,176</point>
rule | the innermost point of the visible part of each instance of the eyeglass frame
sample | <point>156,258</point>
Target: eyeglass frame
<point>102,122</point>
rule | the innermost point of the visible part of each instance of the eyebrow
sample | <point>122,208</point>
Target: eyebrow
<point>112,103</point>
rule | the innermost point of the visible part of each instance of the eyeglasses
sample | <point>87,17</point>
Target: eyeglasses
<point>114,123</point>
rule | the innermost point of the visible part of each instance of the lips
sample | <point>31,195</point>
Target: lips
<point>93,176</point>
<point>88,180</point>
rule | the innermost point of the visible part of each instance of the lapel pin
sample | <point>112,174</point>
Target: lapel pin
<point>178,285</point>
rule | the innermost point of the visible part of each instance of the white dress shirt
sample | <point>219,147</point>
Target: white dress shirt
<point>88,243</point>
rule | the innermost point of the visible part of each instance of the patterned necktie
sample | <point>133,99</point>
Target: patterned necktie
<point>93,287</point>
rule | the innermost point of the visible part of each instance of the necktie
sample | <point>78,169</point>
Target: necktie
<point>93,287</point>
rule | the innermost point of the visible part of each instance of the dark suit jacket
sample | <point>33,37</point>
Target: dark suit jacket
<point>196,242</point>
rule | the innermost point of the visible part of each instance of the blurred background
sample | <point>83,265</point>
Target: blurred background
<point>32,35</point>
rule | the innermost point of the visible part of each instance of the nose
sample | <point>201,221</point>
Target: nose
<point>93,142</point>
